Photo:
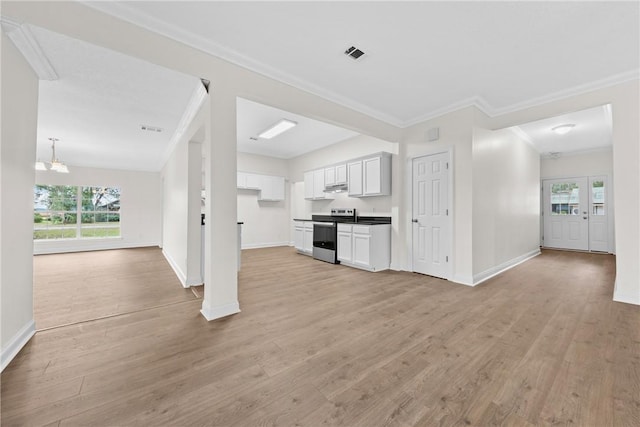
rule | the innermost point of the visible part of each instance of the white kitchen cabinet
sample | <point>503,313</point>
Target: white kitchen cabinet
<point>344,243</point>
<point>254,181</point>
<point>355,178</point>
<point>314,185</point>
<point>308,185</point>
<point>318,184</point>
<point>271,188</point>
<point>242,180</point>
<point>341,174</point>
<point>303,236</point>
<point>370,176</point>
<point>330,175</point>
<point>308,238</point>
<point>365,246</point>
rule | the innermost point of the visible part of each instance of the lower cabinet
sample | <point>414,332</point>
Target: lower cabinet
<point>365,246</point>
<point>303,236</point>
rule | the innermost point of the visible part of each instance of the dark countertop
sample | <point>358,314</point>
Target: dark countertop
<point>299,219</point>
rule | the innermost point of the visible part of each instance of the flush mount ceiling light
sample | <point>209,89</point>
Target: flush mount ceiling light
<point>275,130</point>
<point>563,129</point>
<point>56,165</point>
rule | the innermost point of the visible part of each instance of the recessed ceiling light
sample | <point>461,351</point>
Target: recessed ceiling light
<point>563,129</point>
<point>275,130</point>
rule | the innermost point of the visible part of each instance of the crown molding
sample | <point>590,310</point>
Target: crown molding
<point>25,41</point>
<point>570,92</point>
<point>128,14</point>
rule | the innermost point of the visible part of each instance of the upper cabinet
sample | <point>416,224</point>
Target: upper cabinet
<point>271,188</point>
<point>370,176</point>
<point>314,182</point>
<point>363,177</point>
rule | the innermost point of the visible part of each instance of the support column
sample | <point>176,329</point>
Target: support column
<point>221,238</point>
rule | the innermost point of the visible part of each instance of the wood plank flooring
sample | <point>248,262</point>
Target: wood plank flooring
<point>319,344</point>
<point>76,287</point>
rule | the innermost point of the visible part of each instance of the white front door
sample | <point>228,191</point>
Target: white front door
<point>566,213</point>
<point>431,227</point>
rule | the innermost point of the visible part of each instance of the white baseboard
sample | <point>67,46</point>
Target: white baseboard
<point>176,269</point>
<point>264,245</point>
<point>463,280</point>
<point>212,313</point>
<point>625,298</point>
<point>487,274</point>
<point>16,343</point>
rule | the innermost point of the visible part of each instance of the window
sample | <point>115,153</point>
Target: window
<point>565,199</point>
<point>70,212</point>
<point>597,198</point>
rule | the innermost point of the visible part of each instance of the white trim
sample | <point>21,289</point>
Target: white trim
<point>24,40</point>
<point>193,106</point>
<point>176,269</point>
<point>449,149</point>
<point>265,245</point>
<point>463,280</point>
<point>84,245</point>
<point>494,271</point>
<point>213,313</point>
<point>16,343</point>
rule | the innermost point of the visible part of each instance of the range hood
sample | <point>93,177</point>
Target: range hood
<point>335,188</point>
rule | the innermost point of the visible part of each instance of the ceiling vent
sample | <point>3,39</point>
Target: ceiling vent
<point>150,128</point>
<point>354,52</point>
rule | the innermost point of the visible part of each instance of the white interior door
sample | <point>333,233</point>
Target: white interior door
<point>431,227</point>
<point>566,213</point>
<point>598,214</point>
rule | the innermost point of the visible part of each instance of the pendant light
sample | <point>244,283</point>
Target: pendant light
<point>56,165</point>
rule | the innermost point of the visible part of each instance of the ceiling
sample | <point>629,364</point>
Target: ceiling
<point>432,57</point>
<point>100,101</point>
<point>306,136</point>
<point>421,58</point>
<point>592,131</point>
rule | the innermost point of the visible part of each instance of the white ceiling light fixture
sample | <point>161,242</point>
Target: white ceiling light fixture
<point>56,165</point>
<point>563,129</point>
<point>275,130</point>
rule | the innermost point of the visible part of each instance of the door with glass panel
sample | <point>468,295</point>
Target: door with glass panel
<point>566,213</point>
<point>598,214</point>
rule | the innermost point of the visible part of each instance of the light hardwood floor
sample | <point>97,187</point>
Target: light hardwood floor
<point>319,344</point>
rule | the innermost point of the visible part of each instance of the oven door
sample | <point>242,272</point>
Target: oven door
<point>325,235</point>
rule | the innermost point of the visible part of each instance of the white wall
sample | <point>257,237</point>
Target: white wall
<point>506,201</point>
<point>265,223</point>
<point>577,164</point>
<point>140,207</point>
<point>181,235</point>
<point>18,153</point>
<point>455,133</point>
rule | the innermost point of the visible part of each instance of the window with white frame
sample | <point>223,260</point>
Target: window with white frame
<point>74,212</point>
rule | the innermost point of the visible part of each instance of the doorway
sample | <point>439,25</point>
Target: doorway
<point>431,220</point>
<point>575,213</point>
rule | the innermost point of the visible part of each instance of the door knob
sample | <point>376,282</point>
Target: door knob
<point>414,220</point>
<point>584,217</point>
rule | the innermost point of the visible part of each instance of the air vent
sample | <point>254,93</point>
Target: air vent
<point>354,52</point>
<point>253,138</point>
<point>150,128</point>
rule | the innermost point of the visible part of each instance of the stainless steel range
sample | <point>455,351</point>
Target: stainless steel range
<point>325,233</point>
